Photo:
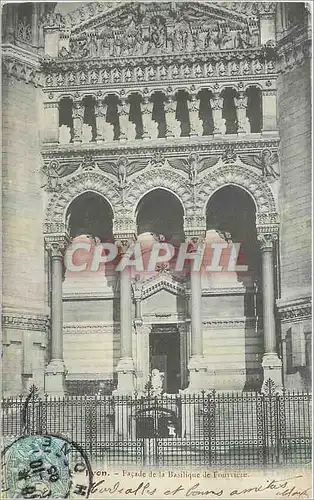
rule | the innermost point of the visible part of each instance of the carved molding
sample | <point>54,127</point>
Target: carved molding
<point>73,186</point>
<point>13,66</point>
<point>25,322</point>
<point>241,177</point>
<point>182,146</point>
<point>221,323</point>
<point>145,177</point>
<point>21,64</point>
<point>157,72</point>
<point>294,309</point>
<point>71,328</point>
<point>159,177</point>
<point>163,281</point>
<point>294,49</point>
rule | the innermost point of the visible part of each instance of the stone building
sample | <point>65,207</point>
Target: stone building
<point>127,121</point>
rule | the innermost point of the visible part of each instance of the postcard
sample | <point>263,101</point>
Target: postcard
<point>156,250</point>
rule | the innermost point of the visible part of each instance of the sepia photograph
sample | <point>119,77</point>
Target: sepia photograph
<point>156,249</point>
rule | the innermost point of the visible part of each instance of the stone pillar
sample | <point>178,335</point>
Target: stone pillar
<point>267,27</point>
<point>241,106</point>
<point>150,127</point>
<point>55,371</point>
<point>216,103</point>
<point>271,363</point>
<point>142,361</point>
<point>52,36</point>
<point>78,117</point>
<point>173,126</point>
<point>196,126</point>
<point>51,122</point>
<point>183,353</point>
<point>125,368</point>
<point>269,112</point>
<point>197,366</point>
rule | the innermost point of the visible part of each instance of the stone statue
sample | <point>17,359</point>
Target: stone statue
<point>270,164</point>
<point>173,126</point>
<point>52,176</point>
<point>193,168</point>
<point>86,133</point>
<point>157,382</point>
<point>158,35</point>
<point>64,134</point>
<point>150,126</point>
<point>122,164</point>
<point>127,128</point>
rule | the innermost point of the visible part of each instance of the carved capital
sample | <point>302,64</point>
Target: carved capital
<point>266,241</point>
<point>124,243</point>
<point>216,101</point>
<point>56,245</point>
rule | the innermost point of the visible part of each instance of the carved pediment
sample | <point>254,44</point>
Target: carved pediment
<point>144,29</point>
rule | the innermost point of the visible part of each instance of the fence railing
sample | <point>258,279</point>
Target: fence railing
<point>213,429</point>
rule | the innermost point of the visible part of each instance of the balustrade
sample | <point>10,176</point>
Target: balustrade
<point>177,114</point>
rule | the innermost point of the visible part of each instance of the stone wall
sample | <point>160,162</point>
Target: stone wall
<point>294,122</point>
<point>24,283</point>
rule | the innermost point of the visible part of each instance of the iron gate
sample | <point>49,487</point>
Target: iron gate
<point>207,429</point>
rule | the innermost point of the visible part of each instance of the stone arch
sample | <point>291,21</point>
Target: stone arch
<point>76,185</point>
<point>159,178</point>
<point>241,177</point>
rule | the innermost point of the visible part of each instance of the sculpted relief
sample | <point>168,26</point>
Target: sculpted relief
<point>142,30</point>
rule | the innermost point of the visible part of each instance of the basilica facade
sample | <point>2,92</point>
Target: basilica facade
<point>179,122</point>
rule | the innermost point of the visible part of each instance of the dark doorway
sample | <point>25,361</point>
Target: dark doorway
<point>164,354</point>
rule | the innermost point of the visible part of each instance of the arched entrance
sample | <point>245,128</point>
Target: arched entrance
<point>233,290</point>
<point>231,212</point>
<point>160,212</point>
<point>159,218</point>
<point>90,214</point>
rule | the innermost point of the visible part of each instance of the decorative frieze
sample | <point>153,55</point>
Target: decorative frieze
<point>13,66</point>
<point>180,69</point>
<point>234,323</point>
<point>295,309</point>
<point>76,328</point>
<point>25,322</point>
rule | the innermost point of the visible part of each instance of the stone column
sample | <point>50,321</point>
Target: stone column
<point>196,127</point>
<point>142,361</point>
<point>183,353</point>
<point>269,112</point>
<point>78,117</point>
<point>52,36</point>
<point>267,27</point>
<point>55,370</point>
<point>271,363</point>
<point>51,122</point>
<point>150,127</point>
<point>241,106</point>
<point>173,126</point>
<point>196,365</point>
<point>216,103</point>
<point>125,368</point>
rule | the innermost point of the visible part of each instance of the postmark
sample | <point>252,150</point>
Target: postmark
<point>42,466</point>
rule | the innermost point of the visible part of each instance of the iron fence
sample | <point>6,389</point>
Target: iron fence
<point>212,429</point>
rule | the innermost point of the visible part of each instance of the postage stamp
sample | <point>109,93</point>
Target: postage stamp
<point>35,466</point>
